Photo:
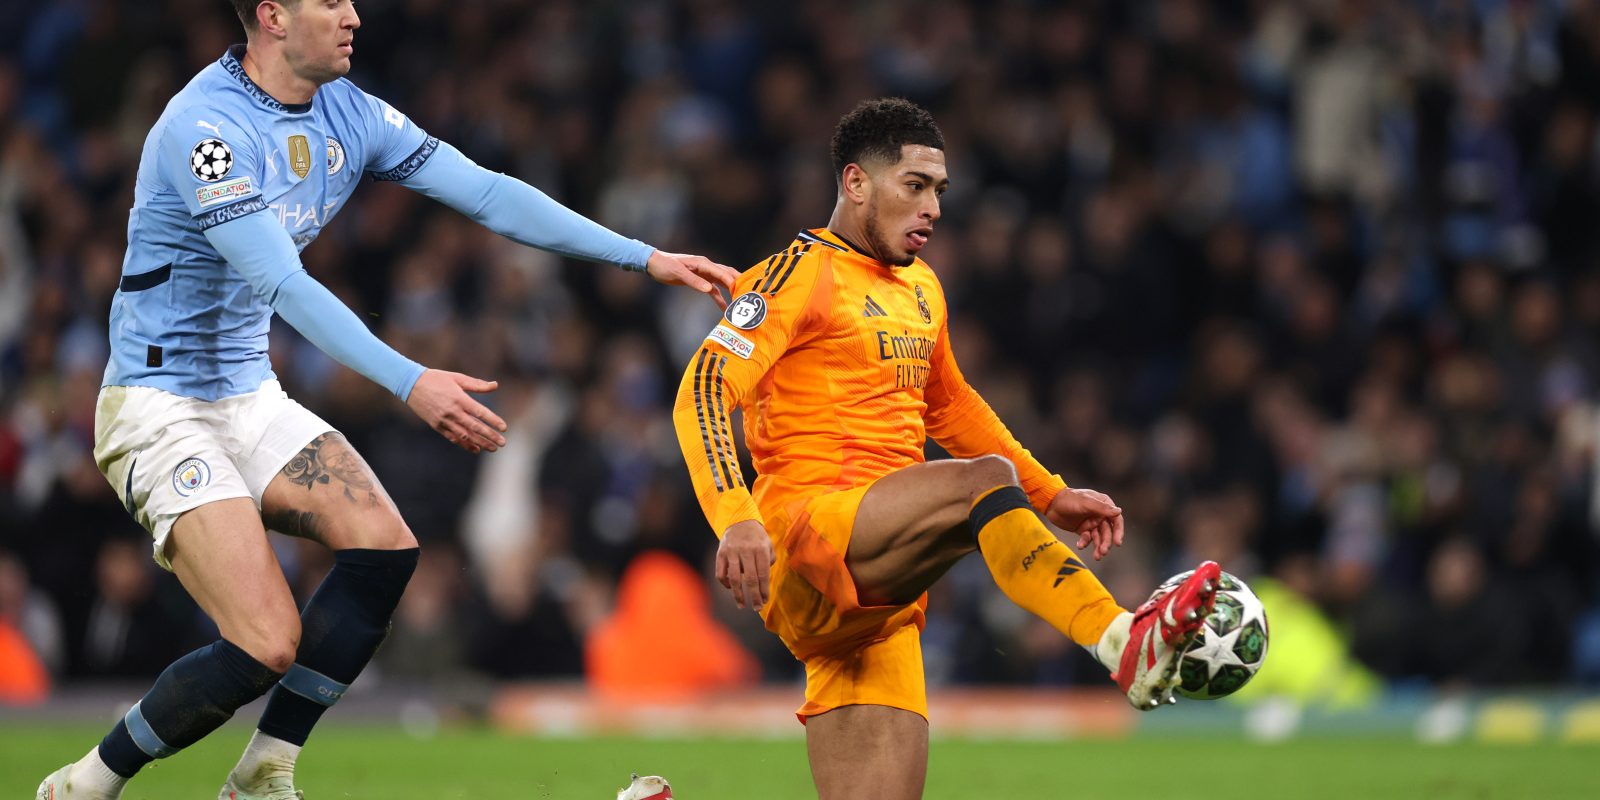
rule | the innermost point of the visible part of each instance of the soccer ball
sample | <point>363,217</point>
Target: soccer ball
<point>1231,645</point>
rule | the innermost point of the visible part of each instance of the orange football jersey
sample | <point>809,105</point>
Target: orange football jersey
<point>843,367</point>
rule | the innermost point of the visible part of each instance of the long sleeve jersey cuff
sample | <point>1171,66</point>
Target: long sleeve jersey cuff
<point>1042,489</point>
<point>732,507</point>
<point>520,212</point>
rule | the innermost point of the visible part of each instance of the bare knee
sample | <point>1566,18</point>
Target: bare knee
<point>984,473</point>
<point>272,639</point>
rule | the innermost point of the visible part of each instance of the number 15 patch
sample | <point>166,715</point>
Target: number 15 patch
<point>736,344</point>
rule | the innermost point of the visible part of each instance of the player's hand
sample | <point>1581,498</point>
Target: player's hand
<point>744,563</point>
<point>696,272</point>
<point>1089,514</point>
<point>441,400</point>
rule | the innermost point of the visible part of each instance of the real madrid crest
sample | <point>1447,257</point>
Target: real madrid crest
<point>300,155</point>
<point>922,305</point>
<point>335,156</point>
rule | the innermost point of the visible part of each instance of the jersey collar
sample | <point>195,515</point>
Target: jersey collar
<point>829,238</point>
<point>233,62</point>
<point>837,242</point>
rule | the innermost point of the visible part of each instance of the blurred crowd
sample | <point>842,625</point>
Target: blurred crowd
<point>1308,287</point>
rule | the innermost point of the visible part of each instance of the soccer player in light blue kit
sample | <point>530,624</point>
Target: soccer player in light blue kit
<point>245,166</point>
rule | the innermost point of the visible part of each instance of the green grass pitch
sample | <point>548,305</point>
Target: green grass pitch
<point>385,764</point>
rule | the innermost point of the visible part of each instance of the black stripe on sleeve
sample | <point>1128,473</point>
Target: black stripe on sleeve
<point>788,256</point>
<point>772,259</point>
<point>700,373</point>
<point>790,271</point>
<point>725,447</point>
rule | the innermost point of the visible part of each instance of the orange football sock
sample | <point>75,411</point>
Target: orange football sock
<point>1037,570</point>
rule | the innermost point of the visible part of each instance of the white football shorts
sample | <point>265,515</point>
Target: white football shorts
<point>166,454</point>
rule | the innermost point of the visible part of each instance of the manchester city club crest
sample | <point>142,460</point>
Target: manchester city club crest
<point>335,156</point>
<point>922,305</point>
<point>191,476</point>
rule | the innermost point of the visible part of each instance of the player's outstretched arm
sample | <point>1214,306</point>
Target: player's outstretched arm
<point>260,249</point>
<point>696,272</point>
<point>524,214</point>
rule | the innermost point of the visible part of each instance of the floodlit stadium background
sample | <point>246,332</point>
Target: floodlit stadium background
<point>1310,288</point>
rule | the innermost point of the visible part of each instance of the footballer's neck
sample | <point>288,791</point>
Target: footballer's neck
<point>265,64</point>
<point>851,228</point>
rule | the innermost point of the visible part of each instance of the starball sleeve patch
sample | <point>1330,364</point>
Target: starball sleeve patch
<point>211,160</point>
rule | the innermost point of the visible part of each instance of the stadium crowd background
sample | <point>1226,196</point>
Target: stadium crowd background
<point>1310,288</point>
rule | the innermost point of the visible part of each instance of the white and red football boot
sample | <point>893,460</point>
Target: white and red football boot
<point>1157,635</point>
<point>649,787</point>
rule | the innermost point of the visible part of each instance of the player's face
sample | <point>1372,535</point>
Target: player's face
<point>904,203</point>
<point>321,38</point>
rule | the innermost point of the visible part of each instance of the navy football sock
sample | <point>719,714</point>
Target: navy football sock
<point>192,698</point>
<point>340,629</point>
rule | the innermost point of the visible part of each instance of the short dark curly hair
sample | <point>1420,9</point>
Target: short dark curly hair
<point>246,9</point>
<point>877,129</point>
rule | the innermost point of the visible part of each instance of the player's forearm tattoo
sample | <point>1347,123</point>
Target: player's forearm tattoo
<point>314,465</point>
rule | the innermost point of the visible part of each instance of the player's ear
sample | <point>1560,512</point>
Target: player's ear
<point>272,18</point>
<point>855,183</point>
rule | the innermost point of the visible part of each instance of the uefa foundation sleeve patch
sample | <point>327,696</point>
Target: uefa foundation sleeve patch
<point>224,192</point>
<point>736,344</point>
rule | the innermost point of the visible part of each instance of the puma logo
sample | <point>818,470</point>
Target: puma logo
<point>216,129</point>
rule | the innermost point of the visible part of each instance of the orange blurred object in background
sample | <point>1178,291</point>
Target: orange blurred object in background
<point>661,642</point>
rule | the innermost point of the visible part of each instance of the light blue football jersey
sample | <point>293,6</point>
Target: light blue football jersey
<point>183,321</point>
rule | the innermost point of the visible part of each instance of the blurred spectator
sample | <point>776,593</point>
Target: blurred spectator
<point>129,629</point>
<point>31,614</point>
<point>29,642</point>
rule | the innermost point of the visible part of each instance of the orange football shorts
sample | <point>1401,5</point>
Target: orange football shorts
<point>854,654</point>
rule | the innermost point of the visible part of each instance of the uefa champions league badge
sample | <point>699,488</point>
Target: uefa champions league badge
<point>191,476</point>
<point>210,161</point>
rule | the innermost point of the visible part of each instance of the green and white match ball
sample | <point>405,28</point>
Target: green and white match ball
<point>1230,647</point>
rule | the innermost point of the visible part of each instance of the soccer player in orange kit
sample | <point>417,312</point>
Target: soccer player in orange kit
<point>837,349</point>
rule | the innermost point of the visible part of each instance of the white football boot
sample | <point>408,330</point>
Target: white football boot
<point>649,787</point>
<point>85,779</point>
<point>273,788</point>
